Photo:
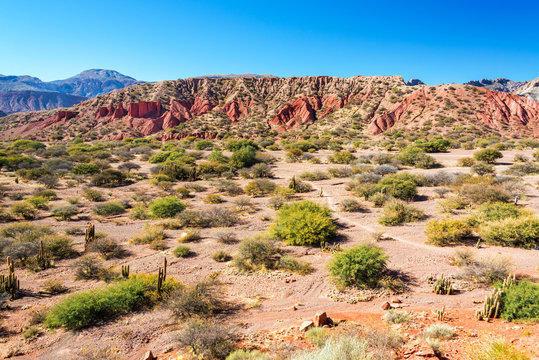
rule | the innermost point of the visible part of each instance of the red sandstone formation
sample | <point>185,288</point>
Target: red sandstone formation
<point>235,110</point>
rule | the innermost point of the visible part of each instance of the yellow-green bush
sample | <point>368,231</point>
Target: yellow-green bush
<point>447,231</point>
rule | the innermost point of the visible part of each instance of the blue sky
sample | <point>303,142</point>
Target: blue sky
<point>436,41</point>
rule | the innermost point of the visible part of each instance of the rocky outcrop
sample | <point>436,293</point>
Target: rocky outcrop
<point>414,82</point>
<point>501,84</point>
<point>499,111</point>
<point>530,90</point>
<point>251,106</point>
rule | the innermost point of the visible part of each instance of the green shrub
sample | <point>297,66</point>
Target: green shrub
<point>415,156</point>
<point>451,204</point>
<point>261,171</point>
<point>244,157</point>
<point>109,178</point>
<point>397,212</point>
<point>521,232</point>
<point>303,223</point>
<point>465,162</point>
<point>166,207</point>
<point>85,169</point>
<point>397,187</point>
<point>361,265</point>
<point>23,209</point>
<point>181,251</point>
<point>58,247</point>
<point>481,193</point>
<point>482,168</point>
<point>258,253</point>
<point>189,235</point>
<point>108,248</point>
<point>92,195</point>
<point>88,307</point>
<point>342,157</point>
<point>492,211</point>
<point>443,232</point>
<point>213,199</point>
<point>260,187</point>
<point>487,155</point>
<point>109,208</point>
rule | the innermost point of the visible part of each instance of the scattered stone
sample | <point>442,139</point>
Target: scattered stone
<point>149,356</point>
<point>293,308</point>
<point>320,319</point>
<point>396,301</point>
<point>306,325</point>
<point>386,306</point>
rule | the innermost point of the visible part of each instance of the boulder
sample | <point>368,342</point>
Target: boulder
<point>320,319</point>
<point>386,306</point>
<point>306,325</point>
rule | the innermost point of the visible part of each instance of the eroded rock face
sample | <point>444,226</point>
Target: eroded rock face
<point>504,112</point>
<point>217,106</point>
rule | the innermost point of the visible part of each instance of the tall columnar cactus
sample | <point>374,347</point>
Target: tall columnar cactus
<point>161,276</point>
<point>125,271</point>
<point>90,235</point>
<point>443,286</point>
<point>9,283</point>
<point>293,183</point>
<point>41,257</point>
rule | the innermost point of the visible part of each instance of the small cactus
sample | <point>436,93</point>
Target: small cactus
<point>431,279</point>
<point>9,283</point>
<point>125,271</point>
<point>440,314</point>
<point>161,276</point>
<point>41,257</point>
<point>443,286</point>
<point>90,235</point>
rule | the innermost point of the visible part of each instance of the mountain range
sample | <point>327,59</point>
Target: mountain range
<point>213,107</point>
<point>27,93</point>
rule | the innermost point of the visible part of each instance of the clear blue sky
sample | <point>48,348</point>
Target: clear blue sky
<point>436,41</point>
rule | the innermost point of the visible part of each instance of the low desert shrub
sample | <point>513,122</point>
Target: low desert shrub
<point>213,199</point>
<point>248,355</point>
<point>229,187</point>
<point>202,299</point>
<point>189,235</point>
<point>55,287</point>
<point>213,217</point>
<point>290,263</point>
<point>361,266</point>
<point>351,205</point>
<point>497,349</point>
<point>487,155</point>
<point>520,232</point>
<point>303,223</point>
<point>181,251</point>
<point>92,195</point>
<point>317,336</point>
<point>107,248</point>
<point>439,331</point>
<point>260,187</point>
<point>261,171</point>
<point>226,237</point>
<point>397,212</point>
<point>109,178</point>
<point>207,341</point>
<point>397,187</point>
<point>23,209</point>
<point>221,256</point>
<point>451,204</point>
<point>88,307</point>
<point>342,157</point>
<point>442,232</point>
<point>65,212</point>
<point>166,207</point>
<point>313,175</point>
<point>341,347</point>
<point>493,211</point>
<point>258,253</point>
<point>150,234</point>
<point>396,317</point>
<point>485,271</point>
<point>466,162</point>
<point>109,208</point>
<point>482,168</point>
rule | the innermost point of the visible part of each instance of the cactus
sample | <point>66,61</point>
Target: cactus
<point>293,184</point>
<point>41,258</point>
<point>9,283</point>
<point>125,271</point>
<point>90,235</point>
<point>431,279</point>
<point>440,314</point>
<point>443,286</point>
<point>333,248</point>
<point>161,276</point>
<point>493,302</point>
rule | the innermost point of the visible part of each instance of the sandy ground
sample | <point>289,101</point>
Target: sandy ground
<point>132,335</point>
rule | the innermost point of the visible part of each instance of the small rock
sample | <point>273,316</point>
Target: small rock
<point>326,326</point>
<point>396,301</point>
<point>320,319</point>
<point>149,356</point>
<point>386,306</point>
<point>293,308</point>
<point>306,325</point>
